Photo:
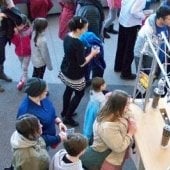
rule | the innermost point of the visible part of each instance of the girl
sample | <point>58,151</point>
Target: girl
<point>72,68</point>
<point>29,149</point>
<point>21,40</point>
<point>113,133</point>
<point>40,56</point>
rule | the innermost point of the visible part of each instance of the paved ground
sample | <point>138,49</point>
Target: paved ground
<point>10,99</point>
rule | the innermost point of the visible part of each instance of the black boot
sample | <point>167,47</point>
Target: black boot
<point>105,34</point>
<point>3,76</point>
<point>111,30</point>
<point>1,89</point>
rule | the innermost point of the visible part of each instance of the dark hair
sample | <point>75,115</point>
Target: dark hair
<point>39,25</point>
<point>96,83</point>
<point>77,22</point>
<point>163,11</point>
<point>115,105</point>
<point>27,125</point>
<point>35,86</point>
<point>75,143</point>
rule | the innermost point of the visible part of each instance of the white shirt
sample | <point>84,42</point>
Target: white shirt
<point>131,13</point>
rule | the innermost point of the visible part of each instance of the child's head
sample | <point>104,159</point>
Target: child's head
<point>25,22</point>
<point>40,24</point>
<point>75,144</point>
<point>29,126</point>
<point>78,23</point>
<point>98,84</point>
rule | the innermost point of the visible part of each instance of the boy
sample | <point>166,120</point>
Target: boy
<point>96,102</point>
<point>68,158</point>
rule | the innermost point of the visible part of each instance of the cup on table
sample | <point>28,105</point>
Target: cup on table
<point>165,136</point>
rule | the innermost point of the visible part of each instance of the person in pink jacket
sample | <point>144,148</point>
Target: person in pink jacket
<point>21,40</point>
<point>67,13</point>
<point>113,5</point>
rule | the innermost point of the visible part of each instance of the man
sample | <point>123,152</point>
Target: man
<point>154,25</point>
<point>130,20</point>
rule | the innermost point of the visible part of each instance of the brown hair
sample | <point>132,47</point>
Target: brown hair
<point>39,25</point>
<point>115,105</point>
<point>27,125</point>
<point>75,144</point>
<point>96,83</point>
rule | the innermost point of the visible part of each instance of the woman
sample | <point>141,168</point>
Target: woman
<point>72,68</point>
<point>92,10</point>
<point>29,150</point>
<point>38,104</point>
<point>112,135</point>
<point>114,6</point>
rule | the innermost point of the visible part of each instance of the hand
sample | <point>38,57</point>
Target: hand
<point>2,15</point>
<point>63,135</point>
<point>62,127</point>
<point>131,126</point>
<point>95,50</point>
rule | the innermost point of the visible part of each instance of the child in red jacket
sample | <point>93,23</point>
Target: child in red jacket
<point>21,41</point>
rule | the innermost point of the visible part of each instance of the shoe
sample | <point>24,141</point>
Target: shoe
<point>63,115</point>
<point>20,85</point>
<point>1,89</point>
<point>70,121</point>
<point>111,30</point>
<point>128,77</point>
<point>3,76</point>
<point>105,34</point>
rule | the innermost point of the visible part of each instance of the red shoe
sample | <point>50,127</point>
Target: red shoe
<point>20,85</point>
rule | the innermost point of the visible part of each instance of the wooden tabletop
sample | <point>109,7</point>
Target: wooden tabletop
<point>148,136</point>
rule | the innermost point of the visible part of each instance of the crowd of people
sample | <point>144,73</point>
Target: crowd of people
<point>109,126</point>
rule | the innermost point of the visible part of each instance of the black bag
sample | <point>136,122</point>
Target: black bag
<point>10,168</point>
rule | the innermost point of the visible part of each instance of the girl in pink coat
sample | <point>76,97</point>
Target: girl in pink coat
<point>113,5</point>
<point>21,41</point>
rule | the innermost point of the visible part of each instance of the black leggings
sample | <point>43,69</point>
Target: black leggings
<point>71,103</point>
<point>39,72</point>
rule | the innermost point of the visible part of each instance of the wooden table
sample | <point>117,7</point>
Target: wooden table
<point>148,136</point>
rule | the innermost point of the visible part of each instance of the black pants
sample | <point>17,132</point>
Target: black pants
<point>124,53</point>
<point>3,42</point>
<point>39,72</point>
<point>71,103</point>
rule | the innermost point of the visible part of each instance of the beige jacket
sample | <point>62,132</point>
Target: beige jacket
<point>113,136</point>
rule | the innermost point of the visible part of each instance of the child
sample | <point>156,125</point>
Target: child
<point>21,40</point>
<point>97,101</point>
<point>68,158</point>
<point>40,56</point>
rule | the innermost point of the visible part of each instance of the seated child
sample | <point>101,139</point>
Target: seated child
<point>68,158</point>
<point>96,102</point>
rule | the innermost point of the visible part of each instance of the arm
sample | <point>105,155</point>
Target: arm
<point>137,9</point>
<point>114,139</point>
<point>45,54</point>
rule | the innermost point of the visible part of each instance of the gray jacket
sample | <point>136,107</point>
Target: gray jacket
<point>40,54</point>
<point>57,162</point>
<point>149,28</point>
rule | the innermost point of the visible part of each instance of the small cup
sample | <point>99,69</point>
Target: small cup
<point>70,131</point>
<point>96,47</point>
<point>165,136</point>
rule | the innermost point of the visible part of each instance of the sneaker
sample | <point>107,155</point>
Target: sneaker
<point>20,85</point>
<point>128,77</point>
<point>70,121</point>
<point>63,115</point>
